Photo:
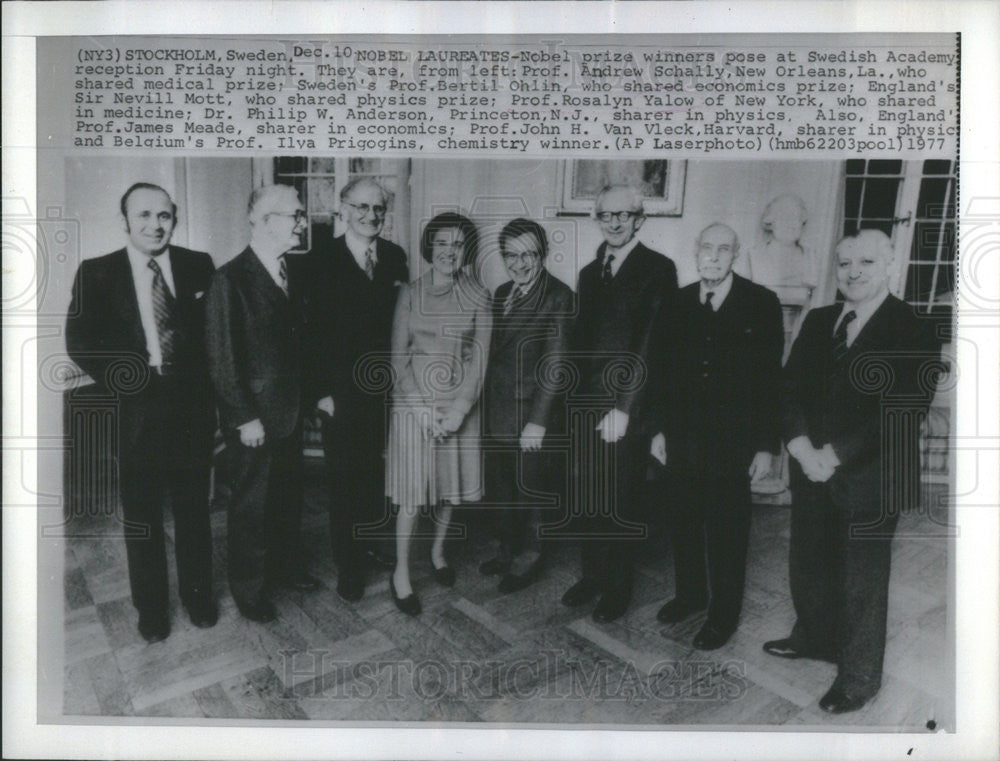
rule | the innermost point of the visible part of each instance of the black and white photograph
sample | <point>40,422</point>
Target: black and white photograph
<point>443,453</point>
<point>579,387</point>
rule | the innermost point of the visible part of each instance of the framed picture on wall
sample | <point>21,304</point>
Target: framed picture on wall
<point>661,182</point>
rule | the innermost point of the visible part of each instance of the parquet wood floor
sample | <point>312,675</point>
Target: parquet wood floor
<point>477,656</point>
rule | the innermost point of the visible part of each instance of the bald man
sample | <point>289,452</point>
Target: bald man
<point>856,385</point>
<point>720,351</point>
<point>254,327</point>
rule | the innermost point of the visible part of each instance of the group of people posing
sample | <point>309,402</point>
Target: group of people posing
<point>549,404</point>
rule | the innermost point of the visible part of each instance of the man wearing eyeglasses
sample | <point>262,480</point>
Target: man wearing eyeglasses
<point>351,300</point>
<point>620,294</point>
<point>254,335</point>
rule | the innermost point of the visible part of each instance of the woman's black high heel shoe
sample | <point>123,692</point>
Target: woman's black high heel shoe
<point>410,605</point>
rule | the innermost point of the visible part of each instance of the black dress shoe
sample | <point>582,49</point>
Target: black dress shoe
<point>611,606</point>
<point>445,576</point>
<point>515,582</point>
<point>350,586</point>
<point>677,610</point>
<point>792,649</point>
<point>580,593</point>
<point>838,701</point>
<point>495,566</point>
<point>154,627</point>
<point>203,612</point>
<point>260,610</point>
<point>381,559</point>
<point>711,637</point>
<point>410,605</point>
<point>300,582</point>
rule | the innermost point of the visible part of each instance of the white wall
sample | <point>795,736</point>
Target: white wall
<point>733,192</point>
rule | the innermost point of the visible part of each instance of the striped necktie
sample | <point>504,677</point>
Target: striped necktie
<point>370,261</point>
<point>283,272</point>
<point>163,312</point>
<point>606,274</point>
<point>840,338</point>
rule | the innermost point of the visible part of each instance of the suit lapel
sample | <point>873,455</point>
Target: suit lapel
<point>871,330</point>
<point>182,275</point>
<point>525,310</point>
<point>260,280</point>
<point>126,298</point>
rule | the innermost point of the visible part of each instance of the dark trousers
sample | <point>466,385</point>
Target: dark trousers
<point>709,521</point>
<point>840,585</point>
<point>264,513</point>
<point>605,501</point>
<point>518,482</point>
<point>168,453</point>
<point>353,447</point>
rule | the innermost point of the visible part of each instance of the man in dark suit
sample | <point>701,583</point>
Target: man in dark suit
<point>352,299</point>
<point>532,319</point>
<point>136,327</point>
<point>720,360</point>
<point>254,327</point>
<point>855,388</point>
<point>620,294</point>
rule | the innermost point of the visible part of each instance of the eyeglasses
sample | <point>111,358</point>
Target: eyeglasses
<point>364,208</point>
<point>298,216</point>
<point>524,256</point>
<point>620,216</point>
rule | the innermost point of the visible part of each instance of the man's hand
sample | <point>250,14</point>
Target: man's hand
<point>613,426</point>
<point>326,406</point>
<point>760,468</point>
<point>817,467</point>
<point>531,437</point>
<point>658,448</point>
<point>252,433</point>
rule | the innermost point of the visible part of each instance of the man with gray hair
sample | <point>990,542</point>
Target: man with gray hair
<point>855,388</point>
<point>350,304</point>
<point>254,327</point>
<point>620,294</point>
<point>719,360</point>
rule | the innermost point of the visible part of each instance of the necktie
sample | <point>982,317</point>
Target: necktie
<point>606,274</point>
<point>283,272</point>
<point>509,303</point>
<point>840,338</point>
<point>708,301</point>
<point>163,312</point>
<point>370,262</point>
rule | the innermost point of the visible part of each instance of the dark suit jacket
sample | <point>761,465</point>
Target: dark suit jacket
<point>614,326</point>
<point>889,367</point>
<point>254,341</point>
<point>717,393</point>
<point>349,316</point>
<point>534,333</point>
<point>104,334</point>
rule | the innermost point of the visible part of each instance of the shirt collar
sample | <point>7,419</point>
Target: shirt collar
<point>719,292</point>
<point>863,312</point>
<point>140,261</point>
<point>358,246</point>
<point>624,251</point>
<point>272,265</point>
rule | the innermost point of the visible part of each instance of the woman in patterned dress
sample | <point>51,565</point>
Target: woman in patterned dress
<point>440,341</point>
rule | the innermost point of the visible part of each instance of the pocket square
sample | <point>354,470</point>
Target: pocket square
<point>199,294</point>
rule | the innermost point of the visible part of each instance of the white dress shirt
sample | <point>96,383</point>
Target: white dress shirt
<point>142,277</point>
<point>719,292</point>
<point>863,313</point>
<point>620,254</point>
<point>359,248</point>
<point>273,267</point>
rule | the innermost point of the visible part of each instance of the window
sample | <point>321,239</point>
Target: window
<point>320,180</point>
